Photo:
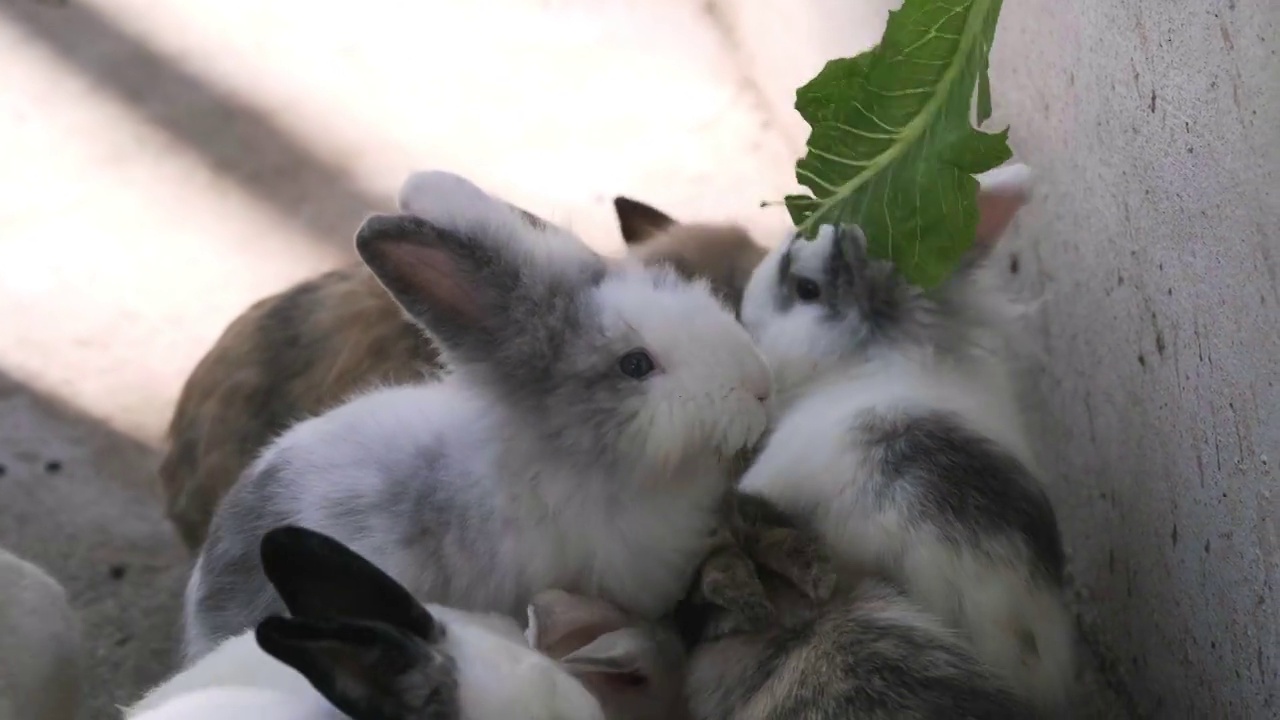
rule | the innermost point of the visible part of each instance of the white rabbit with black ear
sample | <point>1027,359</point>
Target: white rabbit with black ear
<point>358,645</point>
<point>584,438</point>
<point>896,433</point>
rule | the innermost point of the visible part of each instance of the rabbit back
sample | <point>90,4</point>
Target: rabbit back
<point>405,476</point>
<point>922,493</point>
<point>288,357</point>
<point>374,474</point>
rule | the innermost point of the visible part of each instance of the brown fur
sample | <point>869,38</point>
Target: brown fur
<point>725,254</point>
<point>309,348</point>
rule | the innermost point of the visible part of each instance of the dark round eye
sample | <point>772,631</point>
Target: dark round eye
<point>807,290</point>
<point>636,364</point>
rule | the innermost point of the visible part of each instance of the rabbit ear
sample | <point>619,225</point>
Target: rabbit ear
<point>561,622</point>
<point>444,280</point>
<point>318,577</point>
<point>490,285</point>
<point>1001,194</point>
<point>620,652</point>
<point>365,670</point>
<point>639,221</point>
<point>438,196</point>
<point>594,640</point>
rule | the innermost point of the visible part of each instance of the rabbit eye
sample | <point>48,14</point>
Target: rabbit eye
<point>807,290</point>
<point>636,364</point>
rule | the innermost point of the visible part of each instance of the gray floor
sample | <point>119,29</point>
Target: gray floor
<point>80,501</point>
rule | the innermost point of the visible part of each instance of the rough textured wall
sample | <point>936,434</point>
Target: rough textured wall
<point>1155,129</point>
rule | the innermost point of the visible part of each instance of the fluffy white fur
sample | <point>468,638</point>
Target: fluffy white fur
<point>40,667</point>
<point>499,678</point>
<point>809,459</point>
<point>240,703</point>
<point>631,534</point>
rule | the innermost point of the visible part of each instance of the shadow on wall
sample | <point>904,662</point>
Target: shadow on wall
<point>238,140</point>
<point>81,501</point>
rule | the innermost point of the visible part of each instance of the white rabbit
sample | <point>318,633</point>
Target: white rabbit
<point>40,666</point>
<point>896,433</point>
<point>358,639</point>
<point>584,437</point>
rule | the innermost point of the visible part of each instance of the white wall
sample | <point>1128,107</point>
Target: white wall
<point>1155,130</point>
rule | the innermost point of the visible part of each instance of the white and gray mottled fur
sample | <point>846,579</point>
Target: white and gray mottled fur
<point>536,462</point>
<point>896,433</point>
<point>40,666</point>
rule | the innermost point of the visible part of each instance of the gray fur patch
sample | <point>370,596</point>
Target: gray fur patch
<point>961,483</point>
<point>415,518</point>
<point>234,593</point>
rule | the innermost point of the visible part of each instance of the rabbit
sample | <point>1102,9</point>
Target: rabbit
<point>352,626</point>
<point>313,346</point>
<point>41,675</point>
<point>583,438</point>
<point>895,431</point>
<point>865,653</point>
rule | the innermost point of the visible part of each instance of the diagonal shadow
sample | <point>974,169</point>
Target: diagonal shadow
<point>233,137</point>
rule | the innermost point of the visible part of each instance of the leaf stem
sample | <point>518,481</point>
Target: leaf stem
<point>911,132</point>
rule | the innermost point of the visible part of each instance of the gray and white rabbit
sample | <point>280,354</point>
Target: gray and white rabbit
<point>868,653</point>
<point>358,645</point>
<point>896,433</point>
<point>583,439</point>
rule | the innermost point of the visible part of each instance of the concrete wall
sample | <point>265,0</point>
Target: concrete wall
<point>1155,129</point>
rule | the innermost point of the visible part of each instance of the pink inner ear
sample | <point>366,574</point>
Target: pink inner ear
<point>431,276</point>
<point>995,212</point>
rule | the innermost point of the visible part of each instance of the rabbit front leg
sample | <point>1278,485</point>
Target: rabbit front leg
<point>778,544</point>
<point>728,579</point>
<point>754,536</point>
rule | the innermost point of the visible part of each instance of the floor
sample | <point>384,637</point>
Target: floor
<point>165,165</point>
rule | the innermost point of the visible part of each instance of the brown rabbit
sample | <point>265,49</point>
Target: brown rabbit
<point>309,348</point>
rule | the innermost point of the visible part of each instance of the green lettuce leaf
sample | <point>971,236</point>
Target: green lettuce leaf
<point>892,146</point>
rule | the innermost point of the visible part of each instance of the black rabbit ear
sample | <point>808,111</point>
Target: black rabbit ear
<point>366,670</point>
<point>638,221</point>
<point>319,578</point>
